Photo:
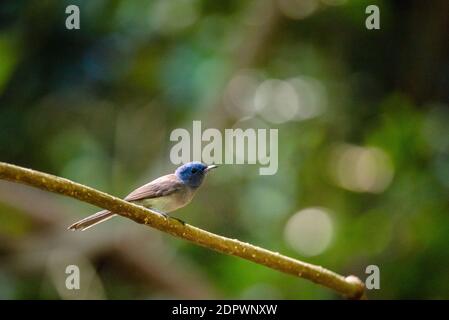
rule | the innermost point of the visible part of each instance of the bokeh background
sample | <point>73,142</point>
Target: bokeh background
<point>363,124</point>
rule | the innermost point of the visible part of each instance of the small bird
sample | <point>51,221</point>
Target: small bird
<point>162,195</point>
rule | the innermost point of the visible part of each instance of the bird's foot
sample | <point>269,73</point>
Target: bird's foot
<point>163,214</point>
<point>179,220</point>
<point>166,216</point>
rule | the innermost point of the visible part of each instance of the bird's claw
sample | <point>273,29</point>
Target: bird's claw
<point>163,214</point>
<point>166,216</point>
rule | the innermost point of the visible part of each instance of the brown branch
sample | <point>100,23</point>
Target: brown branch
<point>350,286</point>
<point>180,279</point>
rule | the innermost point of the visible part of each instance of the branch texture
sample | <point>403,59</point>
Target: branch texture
<point>350,286</point>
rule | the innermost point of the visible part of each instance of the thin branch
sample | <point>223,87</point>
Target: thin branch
<point>156,266</point>
<point>350,286</point>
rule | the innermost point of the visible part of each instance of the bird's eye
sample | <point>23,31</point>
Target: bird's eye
<point>194,170</point>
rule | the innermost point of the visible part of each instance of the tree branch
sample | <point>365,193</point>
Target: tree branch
<point>350,286</point>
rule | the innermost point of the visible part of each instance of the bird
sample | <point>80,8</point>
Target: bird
<point>162,195</point>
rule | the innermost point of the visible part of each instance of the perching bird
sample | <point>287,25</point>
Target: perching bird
<point>164,194</point>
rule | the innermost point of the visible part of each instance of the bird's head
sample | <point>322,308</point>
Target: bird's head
<point>193,173</point>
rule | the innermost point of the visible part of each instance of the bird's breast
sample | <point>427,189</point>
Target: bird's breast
<point>170,202</point>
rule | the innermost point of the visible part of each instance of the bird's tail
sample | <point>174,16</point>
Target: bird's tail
<point>92,220</point>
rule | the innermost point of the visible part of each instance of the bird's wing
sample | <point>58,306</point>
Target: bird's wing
<point>162,186</point>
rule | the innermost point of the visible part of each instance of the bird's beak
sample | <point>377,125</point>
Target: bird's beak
<point>211,167</point>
